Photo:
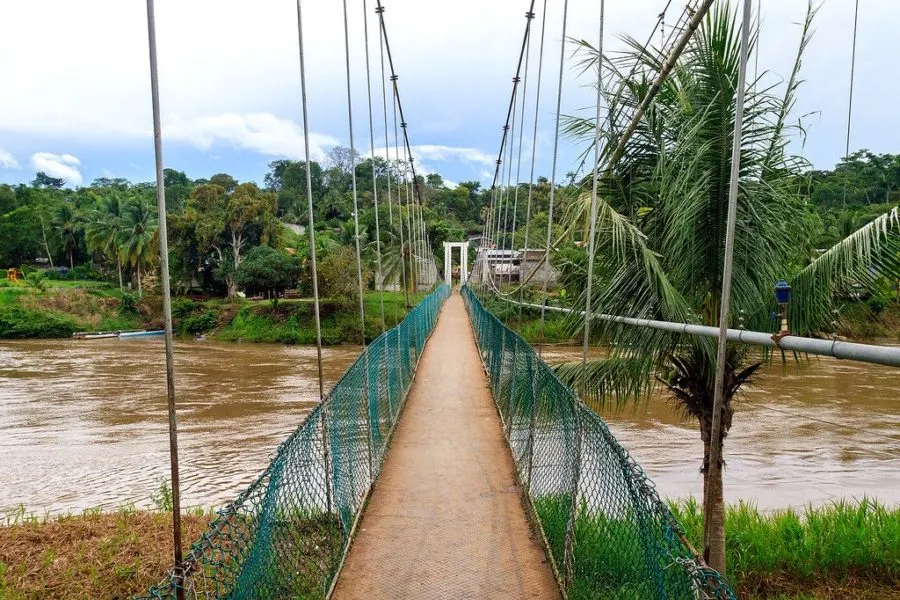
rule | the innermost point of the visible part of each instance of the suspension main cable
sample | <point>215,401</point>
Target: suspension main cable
<point>387,153</point>
<point>403,243</point>
<point>506,239</point>
<point>378,272</point>
<point>362,309</point>
<point>512,244</point>
<point>562,57</point>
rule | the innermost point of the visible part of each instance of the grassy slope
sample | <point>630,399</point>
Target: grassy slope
<point>63,308</point>
<point>293,322</point>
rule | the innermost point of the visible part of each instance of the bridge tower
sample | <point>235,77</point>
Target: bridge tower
<point>463,262</point>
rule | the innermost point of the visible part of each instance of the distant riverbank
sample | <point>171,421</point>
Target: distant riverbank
<point>65,307</point>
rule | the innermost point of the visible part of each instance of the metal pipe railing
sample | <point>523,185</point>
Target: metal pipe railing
<point>881,355</point>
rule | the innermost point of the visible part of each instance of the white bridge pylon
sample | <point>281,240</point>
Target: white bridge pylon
<point>463,262</point>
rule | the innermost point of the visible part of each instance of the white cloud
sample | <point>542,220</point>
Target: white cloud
<point>436,152</point>
<point>261,132</point>
<point>64,166</point>
<point>7,160</point>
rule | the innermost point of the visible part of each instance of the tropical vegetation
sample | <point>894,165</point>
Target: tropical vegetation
<point>662,219</point>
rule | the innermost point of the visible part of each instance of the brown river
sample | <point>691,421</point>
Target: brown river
<point>83,424</point>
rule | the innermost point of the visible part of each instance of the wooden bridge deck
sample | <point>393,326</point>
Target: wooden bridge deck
<point>445,519</point>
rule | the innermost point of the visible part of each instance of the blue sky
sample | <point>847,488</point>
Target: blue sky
<point>74,98</point>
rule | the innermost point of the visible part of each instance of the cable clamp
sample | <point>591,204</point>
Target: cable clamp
<point>394,77</point>
<point>379,10</point>
<point>403,125</point>
<point>517,79</point>
<point>529,15</point>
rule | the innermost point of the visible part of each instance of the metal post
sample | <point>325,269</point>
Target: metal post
<point>725,308</point>
<point>167,304</point>
<point>312,255</point>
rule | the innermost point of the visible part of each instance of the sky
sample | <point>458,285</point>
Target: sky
<point>75,90</point>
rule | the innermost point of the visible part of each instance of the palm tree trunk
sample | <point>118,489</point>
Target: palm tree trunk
<point>140,291</point>
<point>46,245</point>
<point>713,498</point>
<point>71,258</point>
<point>119,267</point>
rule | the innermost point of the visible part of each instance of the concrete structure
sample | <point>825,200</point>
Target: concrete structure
<point>463,262</point>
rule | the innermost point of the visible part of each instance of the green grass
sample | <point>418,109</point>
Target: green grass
<point>842,550</point>
<point>804,552</point>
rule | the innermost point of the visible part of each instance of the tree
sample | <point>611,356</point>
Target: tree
<point>137,248</point>
<point>66,223</point>
<point>434,180</point>
<point>178,188</point>
<point>105,228</point>
<point>287,178</point>
<point>224,225</point>
<point>42,180</point>
<point>337,276</point>
<point>225,181</point>
<point>268,270</point>
<point>661,231</point>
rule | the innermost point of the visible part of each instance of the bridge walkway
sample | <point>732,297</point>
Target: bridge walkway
<point>445,519</point>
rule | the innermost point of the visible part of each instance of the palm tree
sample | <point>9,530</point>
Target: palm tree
<point>661,232</point>
<point>66,222</point>
<point>136,246</point>
<point>104,229</point>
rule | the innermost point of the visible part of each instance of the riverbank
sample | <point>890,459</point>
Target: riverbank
<point>829,553</point>
<point>64,307</point>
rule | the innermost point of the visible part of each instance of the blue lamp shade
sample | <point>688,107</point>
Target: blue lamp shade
<point>782,292</point>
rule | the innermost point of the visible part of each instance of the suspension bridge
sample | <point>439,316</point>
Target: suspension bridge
<point>450,461</point>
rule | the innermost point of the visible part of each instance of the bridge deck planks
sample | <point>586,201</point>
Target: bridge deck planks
<point>445,519</point>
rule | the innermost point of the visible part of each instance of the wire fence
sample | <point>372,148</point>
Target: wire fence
<point>607,532</point>
<point>286,534</point>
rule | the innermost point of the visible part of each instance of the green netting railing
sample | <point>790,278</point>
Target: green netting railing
<point>607,532</point>
<point>285,535</point>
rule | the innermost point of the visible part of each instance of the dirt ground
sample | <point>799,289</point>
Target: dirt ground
<point>445,519</point>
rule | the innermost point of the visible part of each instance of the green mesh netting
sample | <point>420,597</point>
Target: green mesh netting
<point>609,534</point>
<point>284,536</point>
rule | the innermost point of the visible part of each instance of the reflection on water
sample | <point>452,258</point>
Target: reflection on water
<point>84,422</point>
<point>809,432</point>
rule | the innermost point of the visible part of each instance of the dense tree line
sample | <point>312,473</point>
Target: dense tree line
<point>108,227</point>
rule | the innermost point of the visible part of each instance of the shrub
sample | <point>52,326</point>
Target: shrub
<point>183,307</point>
<point>19,323</point>
<point>129,302</point>
<point>268,270</point>
<point>337,276</point>
<point>199,323</point>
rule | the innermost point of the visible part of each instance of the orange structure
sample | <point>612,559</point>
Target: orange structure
<point>12,275</point>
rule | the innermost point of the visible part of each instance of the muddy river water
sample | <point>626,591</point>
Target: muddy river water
<point>83,424</point>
